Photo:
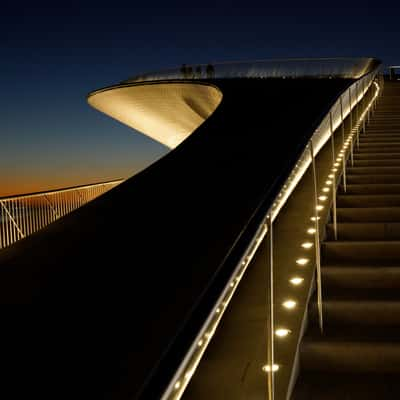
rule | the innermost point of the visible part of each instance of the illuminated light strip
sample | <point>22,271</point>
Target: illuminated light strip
<point>190,362</point>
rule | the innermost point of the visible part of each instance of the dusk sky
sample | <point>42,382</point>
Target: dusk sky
<point>53,54</point>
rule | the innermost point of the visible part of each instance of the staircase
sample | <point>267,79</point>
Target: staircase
<point>358,355</point>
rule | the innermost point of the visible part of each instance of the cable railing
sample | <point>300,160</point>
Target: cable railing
<point>355,105</point>
<point>346,67</point>
<point>22,215</point>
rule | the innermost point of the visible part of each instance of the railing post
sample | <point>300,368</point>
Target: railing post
<point>365,102</point>
<point>351,112</point>
<point>270,311</point>
<point>316,241</point>
<point>357,107</point>
<point>351,151</point>
<point>357,104</point>
<point>368,114</point>
<point>351,128</point>
<point>343,137</point>
<point>334,178</point>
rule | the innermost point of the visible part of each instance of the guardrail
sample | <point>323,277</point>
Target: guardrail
<point>22,215</point>
<point>345,67</point>
<point>392,72</point>
<point>352,103</point>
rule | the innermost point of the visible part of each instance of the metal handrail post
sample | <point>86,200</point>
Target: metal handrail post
<point>316,244</point>
<point>351,151</point>
<point>351,112</point>
<point>364,102</point>
<point>357,107</point>
<point>270,305</point>
<point>343,137</point>
<point>368,115</point>
<point>334,178</point>
<point>351,128</point>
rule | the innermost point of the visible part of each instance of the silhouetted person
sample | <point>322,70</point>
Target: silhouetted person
<point>189,72</point>
<point>210,71</point>
<point>184,71</point>
<point>198,72</point>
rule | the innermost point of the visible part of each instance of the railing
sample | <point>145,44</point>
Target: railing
<point>352,104</point>
<point>352,68</point>
<point>20,216</point>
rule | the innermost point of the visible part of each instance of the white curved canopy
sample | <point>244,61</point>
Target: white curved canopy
<point>168,112</point>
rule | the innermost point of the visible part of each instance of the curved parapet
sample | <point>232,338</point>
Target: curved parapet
<point>124,284</point>
<point>315,68</point>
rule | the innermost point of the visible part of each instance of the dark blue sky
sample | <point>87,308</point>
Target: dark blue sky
<point>53,54</point>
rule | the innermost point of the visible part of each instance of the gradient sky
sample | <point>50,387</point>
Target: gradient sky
<point>53,54</point>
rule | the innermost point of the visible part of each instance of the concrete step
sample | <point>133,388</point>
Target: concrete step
<point>385,188</point>
<point>361,231</point>
<point>375,178</point>
<point>361,252</point>
<point>368,313</point>
<point>376,155</point>
<point>368,200</point>
<point>376,162</point>
<point>324,355</point>
<point>379,136</point>
<point>383,170</point>
<point>378,122</point>
<point>377,149</point>
<point>368,214</point>
<point>386,115</point>
<point>382,129</point>
<point>384,120</point>
<point>346,386</point>
<point>345,277</point>
<point>364,143</point>
<point>369,138</point>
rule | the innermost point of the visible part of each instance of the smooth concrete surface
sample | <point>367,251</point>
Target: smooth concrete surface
<point>166,111</point>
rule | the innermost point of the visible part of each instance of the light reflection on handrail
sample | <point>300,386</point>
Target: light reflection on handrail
<point>22,215</point>
<point>343,107</point>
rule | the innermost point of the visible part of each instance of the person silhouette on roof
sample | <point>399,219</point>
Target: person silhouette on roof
<point>198,72</point>
<point>210,71</point>
<point>184,71</point>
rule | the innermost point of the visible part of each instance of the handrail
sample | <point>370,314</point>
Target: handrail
<point>22,215</point>
<point>345,105</point>
<point>67,189</point>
